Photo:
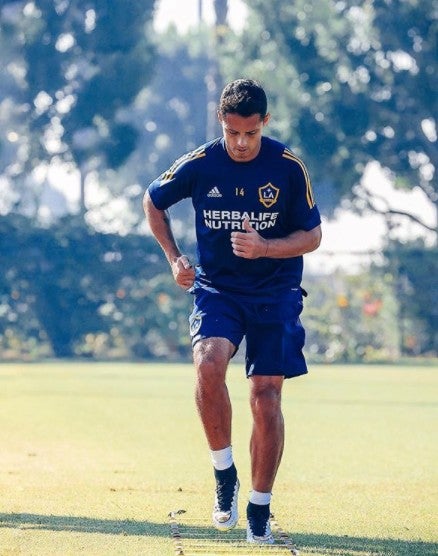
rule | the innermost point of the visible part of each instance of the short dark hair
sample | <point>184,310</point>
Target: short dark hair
<point>244,97</point>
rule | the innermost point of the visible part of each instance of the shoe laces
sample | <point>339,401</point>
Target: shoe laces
<point>259,523</point>
<point>225,493</point>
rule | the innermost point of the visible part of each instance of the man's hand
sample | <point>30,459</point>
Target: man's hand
<point>249,244</point>
<point>183,272</point>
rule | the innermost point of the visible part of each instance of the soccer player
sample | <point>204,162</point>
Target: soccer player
<point>255,218</point>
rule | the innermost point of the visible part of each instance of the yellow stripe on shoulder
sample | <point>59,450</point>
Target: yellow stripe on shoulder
<point>309,193</point>
<point>193,155</point>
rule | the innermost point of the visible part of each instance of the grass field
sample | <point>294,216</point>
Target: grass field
<point>93,457</point>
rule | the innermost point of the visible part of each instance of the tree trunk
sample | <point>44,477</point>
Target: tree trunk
<point>213,78</point>
<point>436,222</point>
<point>82,204</point>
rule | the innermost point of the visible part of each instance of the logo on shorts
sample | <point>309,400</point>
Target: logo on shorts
<point>195,324</point>
<point>268,195</point>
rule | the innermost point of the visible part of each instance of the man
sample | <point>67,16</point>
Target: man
<point>255,218</point>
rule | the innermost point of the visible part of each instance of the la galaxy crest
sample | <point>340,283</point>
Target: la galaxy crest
<point>268,195</point>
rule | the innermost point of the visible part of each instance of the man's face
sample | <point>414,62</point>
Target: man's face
<point>242,136</point>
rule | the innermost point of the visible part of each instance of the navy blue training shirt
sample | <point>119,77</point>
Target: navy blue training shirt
<point>273,190</point>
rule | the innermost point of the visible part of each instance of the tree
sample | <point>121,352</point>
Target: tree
<point>173,112</point>
<point>351,82</point>
<point>213,78</point>
<point>79,64</point>
<point>415,270</point>
<point>74,289</point>
<point>351,317</point>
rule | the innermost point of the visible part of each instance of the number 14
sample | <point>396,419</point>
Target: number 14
<point>240,191</point>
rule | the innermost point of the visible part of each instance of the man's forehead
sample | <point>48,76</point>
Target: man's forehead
<point>241,123</point>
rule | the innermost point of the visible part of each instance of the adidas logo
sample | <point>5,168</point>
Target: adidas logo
<point>214,192</point>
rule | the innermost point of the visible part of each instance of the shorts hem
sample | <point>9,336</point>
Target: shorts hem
<point>200,337</point>
<point>274,373</point>
<point>296,375</point>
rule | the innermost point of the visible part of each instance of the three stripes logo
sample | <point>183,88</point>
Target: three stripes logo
<point>214,193</point>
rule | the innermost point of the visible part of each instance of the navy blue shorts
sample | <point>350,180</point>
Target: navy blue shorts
<point>273,331</point>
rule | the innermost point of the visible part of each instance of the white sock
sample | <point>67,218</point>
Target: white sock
<point>222,459</point>
<point>260,498</point>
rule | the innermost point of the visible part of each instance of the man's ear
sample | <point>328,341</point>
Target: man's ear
<point>219,117</point>
<point>266,119</point>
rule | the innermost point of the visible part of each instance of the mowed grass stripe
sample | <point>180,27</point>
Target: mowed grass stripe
<point>94,456</point>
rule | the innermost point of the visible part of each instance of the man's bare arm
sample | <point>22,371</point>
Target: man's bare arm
<point>159,223</point>
<point>251,245</point>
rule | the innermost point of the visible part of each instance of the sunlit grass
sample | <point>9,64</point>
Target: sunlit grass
<point>94,456</point>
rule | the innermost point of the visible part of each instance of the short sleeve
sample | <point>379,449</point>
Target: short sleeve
<point>173,185</point>
<point>304,213</point>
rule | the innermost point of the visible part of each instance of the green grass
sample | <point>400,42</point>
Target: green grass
<point>94,456</point>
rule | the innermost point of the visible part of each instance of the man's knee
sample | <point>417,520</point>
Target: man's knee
<point>211,357</point>
<point>266,396</point>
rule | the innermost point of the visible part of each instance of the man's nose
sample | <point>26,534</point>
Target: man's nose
<point>242,141</point>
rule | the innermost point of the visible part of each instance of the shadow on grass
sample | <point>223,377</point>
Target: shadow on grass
<point>79,524</point>
<point>352,546</point>
<point>317,544</point>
